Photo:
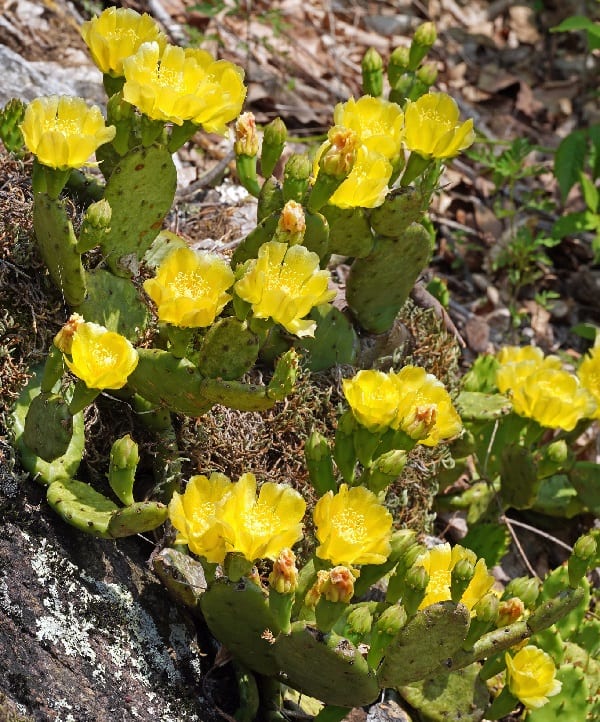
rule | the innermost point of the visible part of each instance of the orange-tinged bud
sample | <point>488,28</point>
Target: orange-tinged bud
<point>339,585</point>
<point>64,338</point>
<point>246,137</point>
<point>284,577</point>
<point>509,611</point>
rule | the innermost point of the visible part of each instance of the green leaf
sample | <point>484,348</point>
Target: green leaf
<point>590,192</point>
<point>574,223</point>
<point>578,22</point>
<point>569,161</point>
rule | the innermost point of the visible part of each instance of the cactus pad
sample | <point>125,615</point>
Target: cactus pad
<point>327,667</point>
<point>334,342</point>
<point>48,426</point>
<point>350,233</point>
<point>238,615</point>
<point>63,466</point>
<point>401,208</point>
<point>460,695</point>
<point>477,406</point>
<point>58,247</point>
<point>228,350</point>
<point>137,518</point>
<point>114,302</point>
<point>429,638</point>
<point>81,506</point>
<point>379,284</point>
<point>140,192</point>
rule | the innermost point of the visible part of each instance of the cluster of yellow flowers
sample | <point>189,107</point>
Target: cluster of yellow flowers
<point>429,126</point>
<point>410,400</point>
<point>215,516</point>
<point>164,82</point>
<point>541,389</point>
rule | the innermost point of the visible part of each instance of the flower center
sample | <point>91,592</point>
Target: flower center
<point>102,356</point>
<point>439,583</point>
<point>202,514</point>
<point>261,521</point>
<point>350,525</point>
<point>168,78</point>
<point>189,285</point>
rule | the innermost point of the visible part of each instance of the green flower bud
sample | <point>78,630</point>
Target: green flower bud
<point>319,463</point>
<point>360,620</point>
<point>486,609</point>
<point>415,588</point>
<point>462,573</point>
<point>398,64</point>
<point>296,175</point>
<point>372,73</point>
<point>385,628</point>
<point>581,559</point>
<point>526,588</point>
<point>585,547</point>
<point>427,74</point>
<point>423,40</point>
<point>274,137</point>
<point>124,458</point>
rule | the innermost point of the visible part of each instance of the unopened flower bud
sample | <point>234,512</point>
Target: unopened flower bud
<point>427,74</point>
<point>246,137</point>
<point>509,611</point>
<point>314,593</point>
<point>425,35</point>
<point>392,619</point>
<point>580,560</point>
<point>296,175</point>
<point>461,576</point>
<point>274,137</point>
<point>319,463</point>
<point>415,588</point>
<point>124,453</point>
<point>526,588</point>
<point>585,547</point>
<point>398,64</point>
<point>64,338</point>
<point>487,608</point>
<point>360,619</point>
<point>284,576</point>
<point>339,585</point>
<point>372,73</point>
<point>291,225</point>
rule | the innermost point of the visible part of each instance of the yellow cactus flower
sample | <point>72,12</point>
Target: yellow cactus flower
<point>352,527</point>
<point>176,85</point>
<point>102,359</point>
<point>261,528</point>
<point>589,375</point>
<point>64,338</point>
<point>367,184</point>
<point>373,398</point>
<point>517,354</point>
<point>531,676</point>
<point>116,34</point>
<point>432,127</point>
<point>63,132</point>
<point>284,283</point>
<point>425,410</point>
<point>378,123</point>
<point>189,288</point>
<point>439,562</point>
<point>194,514</point>
<point>551,396</point>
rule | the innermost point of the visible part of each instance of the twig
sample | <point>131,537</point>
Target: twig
<point>539,532</point>
<point>520,549</point>
<point>206,178</point>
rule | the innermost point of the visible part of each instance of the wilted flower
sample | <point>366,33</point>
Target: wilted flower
<point>189,288</point>
<point>195,515</point>
<point>339,585</point>
<point>425,410</point>
<point>284,283</point>
<point>432,127</point>
<point>531,676</point>
<point>102,359</point>
<point>261,528</point>
<point>439,562</point>
<point>378,123</point>
<point>337,155</point>
<point>116,34</point>
<point>352,527</point>
<point>63,132</point>
<point>589,375</point>
<point>284,576</point>
<point>367,184</point>
<point>64,338</point>
<point>246,137</point>
<point>373,398</point>
<point>551,396</point>
<point>178,85</point>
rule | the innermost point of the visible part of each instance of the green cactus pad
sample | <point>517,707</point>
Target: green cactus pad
<point>58,247</point>
<point>48,426</point>
<point>137,518</point>
<point>518,474</point>
<point>379,284</point>
<point>270,199</point>
<point>316,235</point>
<point>557,497</point>
<point>238,615</point>
<point>477,406</point>
<point>460,695</point>
<point>335,340</point>
<point>327,667</point>
<point>585,478</point>
<point>169,382</point>
<point>572,701</point>
<point>401,208</point>
<point>140,192</point>
<point>350,232</point>
<point>263,232</point>
<point>429,638</point>
<point>114,302</point>
<point>228,350</point>
<point>62,467</point>
<point>182,575</point>
<point>10,117</point>
<point>81,506</point>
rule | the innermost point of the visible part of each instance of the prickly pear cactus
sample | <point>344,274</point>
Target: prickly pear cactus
<point>229,349</point>
<point>238,615</point>
<point>10,117</point>
<point>140,192</point>
<point>350,232</point>
<point>58,247</point>
<point>335,340</point>
<point>379,284</point>
<point>460,695</point>
<point>431,636</point>
<point>48,426</point>
<point>325,666</point>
